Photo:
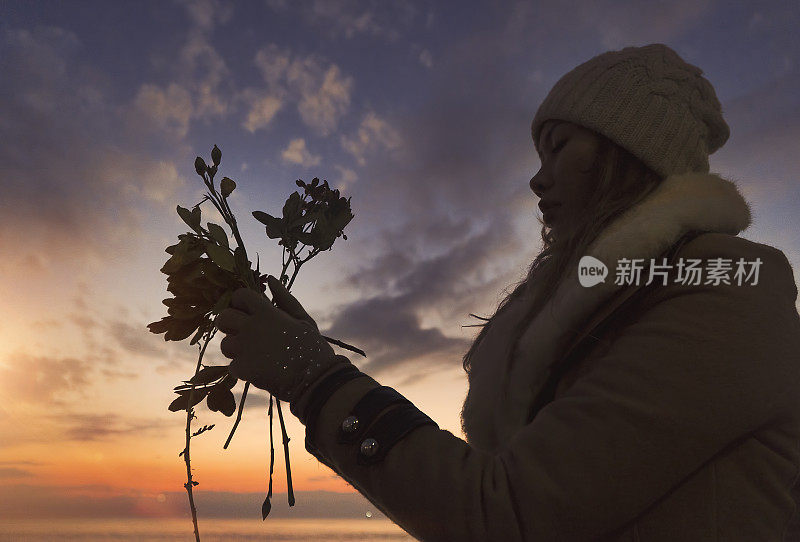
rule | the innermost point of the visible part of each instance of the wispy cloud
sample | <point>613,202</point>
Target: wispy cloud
<point>205,13</point>
<point>262,108</point>
<point>13,472</point>
<point>41,379</point>
<point>426,59</point>
<point>346,177</point>
<point>298,153</point>
<point>64,153</point>
<point>319,89</point>
<point>623,23</point>
<point>134,338</point>
<point>108,426</point>
<point>20,501</point>
<point>353,18</point>
<point>373,133</point>
<point>170,109</point>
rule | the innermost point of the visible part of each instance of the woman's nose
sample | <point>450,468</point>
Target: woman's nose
<point>537,184</point>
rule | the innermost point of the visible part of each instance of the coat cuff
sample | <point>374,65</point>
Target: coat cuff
<point>358,425</point>
<point>303,402</point>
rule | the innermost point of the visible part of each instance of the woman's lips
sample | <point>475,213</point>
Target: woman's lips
<point>547,212</point>
<point>547,206</point>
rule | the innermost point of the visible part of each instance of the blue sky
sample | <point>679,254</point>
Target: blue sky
<point>418,110</point>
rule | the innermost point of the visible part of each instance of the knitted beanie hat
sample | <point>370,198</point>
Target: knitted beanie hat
<point>648,101</point>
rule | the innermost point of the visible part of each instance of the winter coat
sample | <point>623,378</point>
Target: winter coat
<point>626,412</point>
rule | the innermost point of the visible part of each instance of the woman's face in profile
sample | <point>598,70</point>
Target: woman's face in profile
<point>565,180</point>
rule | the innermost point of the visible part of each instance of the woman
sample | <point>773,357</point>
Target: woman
<point>657,409</point>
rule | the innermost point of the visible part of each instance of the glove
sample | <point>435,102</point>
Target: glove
<point>276,346</point>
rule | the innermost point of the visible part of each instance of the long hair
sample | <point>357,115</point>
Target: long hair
<point>621,180</point>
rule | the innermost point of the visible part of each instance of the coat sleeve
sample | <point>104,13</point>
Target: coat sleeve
<point>699,368</point>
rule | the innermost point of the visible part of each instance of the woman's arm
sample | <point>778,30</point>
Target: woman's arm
<point>701,367</point>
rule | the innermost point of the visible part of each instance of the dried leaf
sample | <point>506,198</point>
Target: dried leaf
<point>217,233</point>
<point>191,218</point>
<point>274,226</point>
<point>221,400</point>
<point>292,207</point>
<point>229,381</point>
<point>221,256</point>
<point>209,374</point>
<point>182,402</point>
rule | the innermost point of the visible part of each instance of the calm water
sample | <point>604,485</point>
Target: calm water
<point>211,530</point>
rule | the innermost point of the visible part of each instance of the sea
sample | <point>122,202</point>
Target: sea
<point>211,530</point>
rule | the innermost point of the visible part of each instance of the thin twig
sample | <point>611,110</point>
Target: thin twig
<point>186,457</point>
<point>286,454</point>
<point>344,345</point>
<point>238,415</point>
<point>271,449</point>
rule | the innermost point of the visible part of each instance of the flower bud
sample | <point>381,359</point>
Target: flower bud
<point>200,166</point>
<point>216,155</point>
<point>226,186</point>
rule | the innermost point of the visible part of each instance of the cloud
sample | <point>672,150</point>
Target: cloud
<point>95,427</point>
<point>66,147</point>
<point>426,59</point>
<point>37,501</point>
<point>135,338</point>
<point>620,24</point>
<point>25,462</point>
<point>389,327</point>
<point>353,18</point>
<point>159,181</point>
<point>321,105</point>
<point>13,472</point>
<point>21,501</point>
<point>346,177</point>
<point>277,5</point>
<point>204,13</point>
<point>200,78</point>
<point>373,133</point>
<point>273,63</point>
<point>169,109</point>
<point>297,153</point>
<point>261,109</point>
<point>763,124</point>
<point>203,70</point>
<point>321,91</point>
<point>42,379</point>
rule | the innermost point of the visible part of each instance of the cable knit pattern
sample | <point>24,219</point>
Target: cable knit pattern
<point>648,101</point>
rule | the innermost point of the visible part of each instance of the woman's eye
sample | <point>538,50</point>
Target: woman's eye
<point>558,147</point>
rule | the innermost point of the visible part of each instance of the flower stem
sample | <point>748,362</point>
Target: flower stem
<point>189,415</point>
<point>238,414</point>
<point>286,455</point>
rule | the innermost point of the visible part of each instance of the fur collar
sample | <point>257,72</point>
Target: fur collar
<point>503,385</point>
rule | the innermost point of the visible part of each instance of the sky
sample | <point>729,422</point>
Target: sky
<point>420,111</point>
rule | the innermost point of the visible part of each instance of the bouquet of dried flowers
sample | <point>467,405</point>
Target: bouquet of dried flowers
<point>202,273</point>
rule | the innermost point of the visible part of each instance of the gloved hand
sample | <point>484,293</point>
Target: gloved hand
<point>277,348</point>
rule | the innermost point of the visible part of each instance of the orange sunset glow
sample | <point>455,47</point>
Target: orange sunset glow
<point>418,110</point>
